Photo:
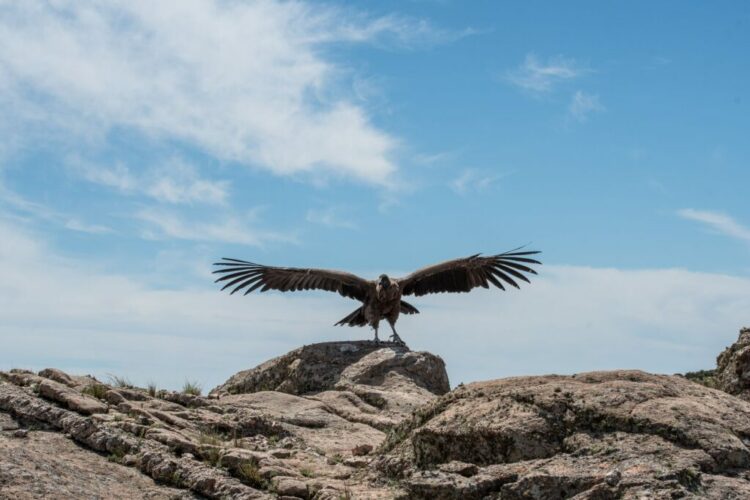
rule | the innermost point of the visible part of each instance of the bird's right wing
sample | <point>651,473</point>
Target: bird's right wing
<point>247,275</point>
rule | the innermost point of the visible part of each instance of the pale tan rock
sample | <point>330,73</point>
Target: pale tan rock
<point>7,423</point>
<point>286,486</point>
<point>48,465</point>
<point>173,439</point>
<point>305,419</point>
<point>558,437</point>
<point>319,367</point>
<point>151,457</point>
<point>462,468</point>
<point>71,398</point>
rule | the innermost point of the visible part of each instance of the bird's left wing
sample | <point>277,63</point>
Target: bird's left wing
<point>461,275</point>
<point>241,274</point>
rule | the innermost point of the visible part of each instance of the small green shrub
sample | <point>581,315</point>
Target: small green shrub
<point>249,472</point>
<point>210,450</point>
<point>210,438</point>
<point>96,390</point>
<point>703,377</point>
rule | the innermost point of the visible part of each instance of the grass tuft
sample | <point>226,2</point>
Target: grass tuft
<point>249,472</point>
<point>192,388</point>
<point>96,390</point>
<point>117,381</point>
<point>152,391</point>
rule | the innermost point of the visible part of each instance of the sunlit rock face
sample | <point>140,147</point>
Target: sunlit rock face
<point>616,434</point>
<point>733,367</point>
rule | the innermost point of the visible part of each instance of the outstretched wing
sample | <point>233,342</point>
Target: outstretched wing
<point>247,275</point>
<point>461,275</point>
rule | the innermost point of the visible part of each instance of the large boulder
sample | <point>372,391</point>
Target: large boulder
<point>733,367</point>
<point>320,367</point>
<point>599,435</point>
<point>375,384</point>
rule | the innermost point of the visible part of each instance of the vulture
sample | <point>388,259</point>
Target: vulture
<point>382,298</point>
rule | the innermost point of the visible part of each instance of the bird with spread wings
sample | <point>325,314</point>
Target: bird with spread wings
<point>381,298</point>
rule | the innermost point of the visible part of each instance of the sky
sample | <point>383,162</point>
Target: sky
<point>140,142</point>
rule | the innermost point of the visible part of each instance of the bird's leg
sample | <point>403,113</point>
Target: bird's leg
<point>395,338</point>
<point>376,340</point>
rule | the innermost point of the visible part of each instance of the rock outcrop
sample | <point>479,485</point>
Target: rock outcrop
<point>733,367</point>
<point>621,434</point>
<point>300,426</point>
<point>358,420</point>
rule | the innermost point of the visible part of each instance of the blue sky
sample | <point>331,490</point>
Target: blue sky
<point>140,143</point>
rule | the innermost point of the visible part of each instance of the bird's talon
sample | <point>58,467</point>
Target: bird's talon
<point>397,340</point>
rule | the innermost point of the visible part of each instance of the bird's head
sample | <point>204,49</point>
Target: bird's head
<point>385,281</point>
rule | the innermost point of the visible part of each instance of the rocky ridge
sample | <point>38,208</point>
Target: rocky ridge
<point>344,420</point>
<point>733,367</point>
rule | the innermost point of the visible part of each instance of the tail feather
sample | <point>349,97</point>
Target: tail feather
<point>407,308</point>
<point>355,318</point>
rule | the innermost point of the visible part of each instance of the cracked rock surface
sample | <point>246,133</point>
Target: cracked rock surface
<point>356,420</point>
<point>310,437</point>
<point>619,434</point>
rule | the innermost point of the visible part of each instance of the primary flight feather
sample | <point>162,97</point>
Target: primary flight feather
<point>381,298</point>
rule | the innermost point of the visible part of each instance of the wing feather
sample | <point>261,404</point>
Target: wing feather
<point>462,275</point>
<point>241,275</point>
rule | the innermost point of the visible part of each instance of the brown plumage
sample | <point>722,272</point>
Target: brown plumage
<point>381,298</point>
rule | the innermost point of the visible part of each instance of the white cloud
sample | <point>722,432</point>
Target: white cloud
<point>429,160</point>
<point>244,81</point>
<point>569,319</point>
<point>13,203</point>
<point>538,77</point>
<point>473,180</point>
<point>330,217</point>
<point>582,105</point>
<point>76,225</point>
<point>224,228</point>
<point>118,177</point>
<point>717,221</point>
<point>175,182</point>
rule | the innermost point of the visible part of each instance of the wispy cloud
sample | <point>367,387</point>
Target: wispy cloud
<point>432,159</point>
<point>330,217</point>
<point>539,77</point>
<point>582,105</point>
<point>718,222</point>
<point>474,180</point>
<point>118,176</point>
<point>397,31</point>
<point>15,203</point>
<point>243,81</point>
<point>220,229</point>
<point>76,225</point>
<point>175,182</point>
